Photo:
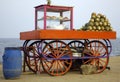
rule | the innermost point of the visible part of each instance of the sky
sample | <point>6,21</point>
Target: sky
<point>18,15</point>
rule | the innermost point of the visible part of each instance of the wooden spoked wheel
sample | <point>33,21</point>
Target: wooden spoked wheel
<point>57,58</point>
<point>97,55</point>
<point>77,48</point>
<point>108,44</point>
<point>32,56</point>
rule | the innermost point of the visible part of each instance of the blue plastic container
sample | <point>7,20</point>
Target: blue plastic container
<point>12,63</point>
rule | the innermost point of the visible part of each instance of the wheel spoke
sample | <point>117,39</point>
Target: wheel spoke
<point>65,61</point>
<point>51,51</point>
<point>85,62</point>
<point>62,53</point>
<point>46,64</point>
<point>60,66</point>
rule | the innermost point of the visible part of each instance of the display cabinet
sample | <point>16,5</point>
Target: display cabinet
<point>53,17</point>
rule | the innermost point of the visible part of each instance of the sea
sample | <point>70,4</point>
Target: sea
<point>16,42</point>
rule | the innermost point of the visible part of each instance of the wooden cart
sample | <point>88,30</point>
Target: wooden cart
<point>56,50</point>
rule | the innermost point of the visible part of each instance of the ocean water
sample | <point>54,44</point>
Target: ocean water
<point>15,42</point>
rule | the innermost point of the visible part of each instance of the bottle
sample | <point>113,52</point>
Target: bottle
<point>48,2</point>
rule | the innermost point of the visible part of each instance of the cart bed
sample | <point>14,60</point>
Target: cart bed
<point>66,35</point>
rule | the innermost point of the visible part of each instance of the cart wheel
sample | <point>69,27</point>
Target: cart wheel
<point>57,58</point>
<point>109,45</point>
<point>77,48</point>
<point>32,56</point>
<point>99,50</point>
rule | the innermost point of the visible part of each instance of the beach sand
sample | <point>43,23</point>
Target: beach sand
<point>112,75</point>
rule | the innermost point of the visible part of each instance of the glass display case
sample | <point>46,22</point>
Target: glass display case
<point>53,17</point>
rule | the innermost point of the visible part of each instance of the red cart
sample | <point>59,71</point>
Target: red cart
<point>56,49</point>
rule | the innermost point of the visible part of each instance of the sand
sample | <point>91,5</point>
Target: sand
<point>112,75</point>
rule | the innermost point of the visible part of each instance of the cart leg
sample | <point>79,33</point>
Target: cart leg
<point>108,67</point>
<point>24,64</point>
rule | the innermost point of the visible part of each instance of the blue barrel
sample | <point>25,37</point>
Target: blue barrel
<point>12,62</point>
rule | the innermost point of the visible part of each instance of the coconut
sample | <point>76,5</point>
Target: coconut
<point>91,20</point>
<point>89,28</point>
<point>105,23</point>
<point>100,23</point>
<point>93,15</point>
<point>97,19</point>
<point>96,23</point>
<point>102,28</point>
<point>91,23</point>
<point>102,20</point>
<point>94,27</point>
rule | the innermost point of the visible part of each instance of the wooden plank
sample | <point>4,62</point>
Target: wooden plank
<point>29,35</point>
<point>66,35</point>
